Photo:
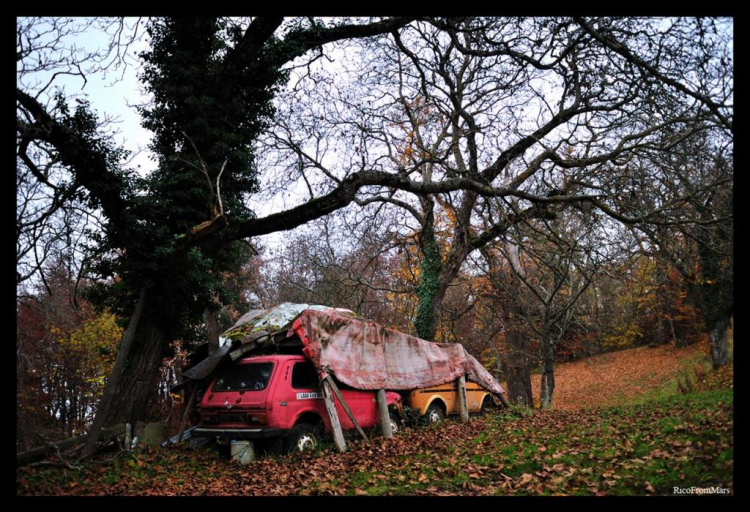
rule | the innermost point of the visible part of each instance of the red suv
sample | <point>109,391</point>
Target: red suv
<point>278,397</point>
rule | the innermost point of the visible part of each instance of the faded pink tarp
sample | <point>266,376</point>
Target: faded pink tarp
<point>366,355</point>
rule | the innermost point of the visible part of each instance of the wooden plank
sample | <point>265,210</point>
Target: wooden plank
<point>385,420</point>
<point>333,415</point>
<point>39,453</point>
<point>208,365</point>
<point>462,401</point>
<point>187,413</point>
<point>346,407</point>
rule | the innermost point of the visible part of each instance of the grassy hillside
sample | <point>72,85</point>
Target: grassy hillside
<point>667,440</point>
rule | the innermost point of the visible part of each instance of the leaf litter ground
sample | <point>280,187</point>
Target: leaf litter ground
<point>584,446</point>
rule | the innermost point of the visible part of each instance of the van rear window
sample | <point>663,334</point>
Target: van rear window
<point>244,377</point>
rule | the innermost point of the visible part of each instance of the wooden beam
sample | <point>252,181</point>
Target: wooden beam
<point>462,401</point>
<point>39,453</point>
<point>385,420</point>
<point>338,433</point>
<point>187,413</point>
<point>346,407</point>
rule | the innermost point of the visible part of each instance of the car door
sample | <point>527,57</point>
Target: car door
<point>305,394</point>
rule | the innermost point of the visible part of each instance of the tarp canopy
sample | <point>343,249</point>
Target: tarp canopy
<point>357,351</point>
<point>366,355</point>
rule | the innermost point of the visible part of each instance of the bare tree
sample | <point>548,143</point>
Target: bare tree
<point>699,241</point>
<point>556,262</point>
<point>493,122</point>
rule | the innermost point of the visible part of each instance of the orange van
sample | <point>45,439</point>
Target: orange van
<point>436,403</point>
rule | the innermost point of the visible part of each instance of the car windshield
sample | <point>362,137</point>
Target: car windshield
<point>244,377</point>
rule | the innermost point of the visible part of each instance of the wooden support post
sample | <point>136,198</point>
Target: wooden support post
<point>185,415</point>
<point>348,411</point>
<point>338,433</point>
<point>462,401</point>
<point>385,420</point>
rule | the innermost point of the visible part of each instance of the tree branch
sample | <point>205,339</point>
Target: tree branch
<point>623,50</point>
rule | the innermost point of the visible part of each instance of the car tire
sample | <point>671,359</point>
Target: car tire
<point>394,422</point>
<point>301,438</point>
<point>434,415</point>
<point>486,403</point>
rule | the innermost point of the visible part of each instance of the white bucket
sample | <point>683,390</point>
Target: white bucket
<point>243,451</point>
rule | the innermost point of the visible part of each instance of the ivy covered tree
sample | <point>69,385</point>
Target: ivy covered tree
<point>168,237</point>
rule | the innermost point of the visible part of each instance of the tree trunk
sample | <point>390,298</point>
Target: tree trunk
<point>517,367</point>
<point>719,346</point>
<point>677,342</point>
<point>548,373</point>
<point>435,278</point>
<point>135,389</point>
<point>41,452</point>
<point>107,403</point>
<point>431,270</point>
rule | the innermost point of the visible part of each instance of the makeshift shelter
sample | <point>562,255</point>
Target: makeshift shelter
<point>357,351</point>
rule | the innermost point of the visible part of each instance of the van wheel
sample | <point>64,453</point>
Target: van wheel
<point>434,415</point>
<point>485,406</point>
<point>303,437</point>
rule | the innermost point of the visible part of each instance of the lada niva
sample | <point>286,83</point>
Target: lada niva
<point>278,398</point>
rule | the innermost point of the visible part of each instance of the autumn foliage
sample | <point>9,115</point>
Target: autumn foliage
<point>66,351</point>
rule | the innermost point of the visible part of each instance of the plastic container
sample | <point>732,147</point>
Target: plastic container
<point>243,451</point>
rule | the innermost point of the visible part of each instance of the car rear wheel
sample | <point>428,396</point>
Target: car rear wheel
<point>303,437</point>
<point>434,415</point>
<point>394,422</point>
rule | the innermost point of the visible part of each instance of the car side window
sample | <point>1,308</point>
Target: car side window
<point>304,376</point>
